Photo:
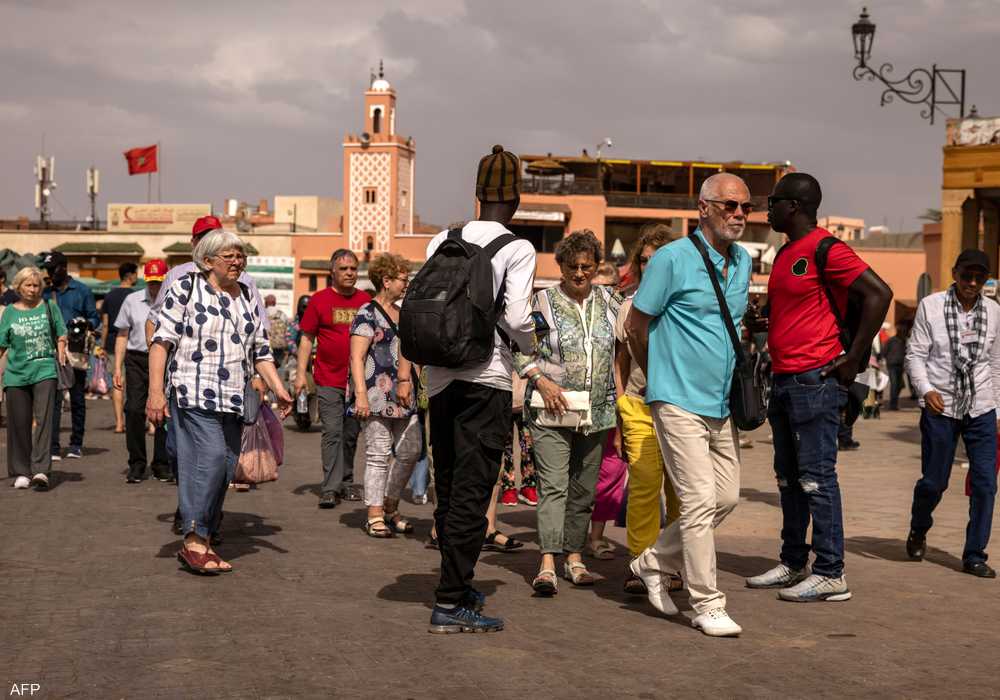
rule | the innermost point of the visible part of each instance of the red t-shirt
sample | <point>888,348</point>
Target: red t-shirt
<point>328,317</point>
<point>803,333</point>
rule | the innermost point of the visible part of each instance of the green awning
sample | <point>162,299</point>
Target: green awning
<point>100,288</point>
<point>100,248</point>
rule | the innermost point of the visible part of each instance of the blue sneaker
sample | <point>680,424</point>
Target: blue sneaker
<point>473,599</point>
<point>462,619</point>
<point>74,452</point>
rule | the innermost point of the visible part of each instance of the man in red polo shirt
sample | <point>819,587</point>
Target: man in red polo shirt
<point>327,319</point>
<point>813,364</point>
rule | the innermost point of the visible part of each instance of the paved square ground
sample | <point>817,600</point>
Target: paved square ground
<point>96,606</point>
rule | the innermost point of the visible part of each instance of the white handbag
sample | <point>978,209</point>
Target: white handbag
<point>577,414</point>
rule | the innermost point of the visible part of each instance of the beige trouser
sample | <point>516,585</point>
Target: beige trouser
<point>702,458</point>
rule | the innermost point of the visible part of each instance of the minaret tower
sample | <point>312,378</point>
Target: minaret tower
<point>378,174</point>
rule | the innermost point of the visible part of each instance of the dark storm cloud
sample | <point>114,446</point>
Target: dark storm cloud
<point>253,99</point>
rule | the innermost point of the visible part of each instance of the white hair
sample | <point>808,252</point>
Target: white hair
<point>25,274</point>
<point>710,187</point>
<point>211,244</point>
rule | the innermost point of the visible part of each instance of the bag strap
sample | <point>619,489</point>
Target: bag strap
<point>386,316</point>
<point>52,324</point>
<point>820,258</point>
<point>497,243</point>
<point>723,306</point>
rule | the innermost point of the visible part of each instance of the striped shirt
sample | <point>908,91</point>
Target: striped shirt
<point>213,336</point>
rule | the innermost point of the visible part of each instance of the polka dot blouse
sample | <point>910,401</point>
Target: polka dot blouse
<point>213,336</point>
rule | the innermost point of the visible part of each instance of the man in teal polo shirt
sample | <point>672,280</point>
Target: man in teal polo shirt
<point>678,337</point>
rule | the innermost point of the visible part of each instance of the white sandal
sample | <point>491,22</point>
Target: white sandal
<point>545,583</point>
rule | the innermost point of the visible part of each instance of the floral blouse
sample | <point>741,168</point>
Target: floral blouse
<point>215,337</point>
<point>381,364</point>
<point>561,352</point>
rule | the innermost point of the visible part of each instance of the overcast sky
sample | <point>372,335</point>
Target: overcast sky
<point>252,99</point>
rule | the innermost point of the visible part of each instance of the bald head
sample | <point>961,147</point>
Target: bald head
<point>721,185</point>
<point>804,189</point>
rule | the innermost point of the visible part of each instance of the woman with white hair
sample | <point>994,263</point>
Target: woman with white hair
<point>212,329</point>
<point>33,335</point>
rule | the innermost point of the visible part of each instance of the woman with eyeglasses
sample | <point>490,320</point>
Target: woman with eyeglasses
<point>211,328</point>
<point>381,395</point>
<point>574,323</point>
<point>647,477</point>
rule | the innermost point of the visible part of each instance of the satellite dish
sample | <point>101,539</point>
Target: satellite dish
<point>366,139</point>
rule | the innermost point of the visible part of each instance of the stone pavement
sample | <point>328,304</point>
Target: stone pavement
<point>95,605</point>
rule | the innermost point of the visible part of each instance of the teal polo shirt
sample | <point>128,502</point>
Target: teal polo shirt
<point>691,358</point>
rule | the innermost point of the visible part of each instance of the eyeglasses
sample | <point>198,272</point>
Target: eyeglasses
<point>643,260</point>
<point>404,278</point>
<point>231,258</point>
<point>731,205</point>
<point>772,199</point>
<point>978,276</point>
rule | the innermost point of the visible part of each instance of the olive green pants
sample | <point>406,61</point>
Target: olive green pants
<point>567,464</point>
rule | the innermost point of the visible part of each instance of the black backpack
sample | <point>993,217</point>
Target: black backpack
<point>449,313</point>
<point>850,322</point>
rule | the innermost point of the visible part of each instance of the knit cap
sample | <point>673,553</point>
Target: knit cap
<point>499,177</point>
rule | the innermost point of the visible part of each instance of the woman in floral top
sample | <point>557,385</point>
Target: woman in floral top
<point>574,323</point>
<point>380,394</point>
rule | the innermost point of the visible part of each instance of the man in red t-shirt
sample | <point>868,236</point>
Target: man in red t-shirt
<point>328,317</point>
<point>812,370</point>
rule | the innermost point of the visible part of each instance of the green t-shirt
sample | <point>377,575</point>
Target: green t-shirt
<point>27,338</point>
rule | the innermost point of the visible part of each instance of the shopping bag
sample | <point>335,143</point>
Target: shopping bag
<point>274,432</point>
<point>98,378</point>
<point>257,463</point>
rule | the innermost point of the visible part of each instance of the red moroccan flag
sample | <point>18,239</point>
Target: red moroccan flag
<point>141,160</point>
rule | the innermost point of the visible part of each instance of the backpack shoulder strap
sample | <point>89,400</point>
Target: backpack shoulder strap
<point>455,234</point>
<point>497,243</point>
<point>820,258</point>
<point>723,305</point>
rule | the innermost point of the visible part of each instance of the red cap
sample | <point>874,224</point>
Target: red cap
<point>154,270</point>
<point>204,224</point>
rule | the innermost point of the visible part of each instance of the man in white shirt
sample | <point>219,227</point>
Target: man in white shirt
<point>470,407</point>
<point>953,360</point>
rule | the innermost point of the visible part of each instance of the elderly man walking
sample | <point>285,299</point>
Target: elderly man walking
<point>678,336</point>
<point>953,360</point>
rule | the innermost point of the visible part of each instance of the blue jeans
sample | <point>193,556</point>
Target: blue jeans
<point>938,440</point>
<point>208,447</point>
<point>805,417</point>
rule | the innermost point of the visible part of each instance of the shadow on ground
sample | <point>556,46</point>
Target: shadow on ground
<point>56,478</point>
<point>771,498</point>
<point>891,549</point>
<point>419,588</point>
<point>242,533</point>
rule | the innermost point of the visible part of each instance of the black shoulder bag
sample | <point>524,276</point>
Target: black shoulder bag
<point>748,392</point>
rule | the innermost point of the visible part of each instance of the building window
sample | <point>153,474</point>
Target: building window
<point>369,241</point>
<point>376,121</point>
<point>370,195</point>
<point>329,281</point>
<point>312,283</point>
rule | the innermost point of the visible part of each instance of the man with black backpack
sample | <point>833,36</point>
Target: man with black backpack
<point>465,308</point>
<point>825,307</point>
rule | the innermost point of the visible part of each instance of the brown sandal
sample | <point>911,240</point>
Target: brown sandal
<point>195,562</point>
<point>219,564</point>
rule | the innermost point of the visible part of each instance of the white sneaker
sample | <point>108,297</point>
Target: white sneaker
<point>40,482</point>
<point>21,482</point>
<point>781,576</point>
<point>716,623</point>
<point>816,589</point>
<point>657,585</point>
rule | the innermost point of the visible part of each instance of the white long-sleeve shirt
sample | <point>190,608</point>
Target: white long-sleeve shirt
<point>516,260</point>
<point>929,358</point>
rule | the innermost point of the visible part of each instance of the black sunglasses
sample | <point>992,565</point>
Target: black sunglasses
<point>772,199</point>
<point>731,205</point>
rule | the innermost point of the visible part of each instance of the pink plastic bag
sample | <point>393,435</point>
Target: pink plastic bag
<point>98,378</point>
<point>257,463</point>
<point>274,432</point>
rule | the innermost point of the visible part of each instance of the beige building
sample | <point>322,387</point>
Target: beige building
<point>307,213</point>
<point>844,228</point>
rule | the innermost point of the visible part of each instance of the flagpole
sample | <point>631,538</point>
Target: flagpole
<point>159,173</point>
<point>149,187</point>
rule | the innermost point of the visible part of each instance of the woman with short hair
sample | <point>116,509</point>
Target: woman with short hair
<point>380,394</point>
<point>574,322</point>
<point>211,325</point>
<point>33,337</point>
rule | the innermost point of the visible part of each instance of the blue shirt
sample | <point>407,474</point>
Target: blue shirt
<point>76,301</point>
<point>691,357</point>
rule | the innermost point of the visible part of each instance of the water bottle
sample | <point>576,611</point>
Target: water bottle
<point>302,403</point>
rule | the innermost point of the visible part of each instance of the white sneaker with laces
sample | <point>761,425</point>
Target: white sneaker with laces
<point>21,482</point>
<point>40,482</point>
<point>657,585</point>
<point>816,589</point>
<point>781,576</point>
<point>716,623</point>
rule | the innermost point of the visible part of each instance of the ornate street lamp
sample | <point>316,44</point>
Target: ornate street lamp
<point>931,88</point>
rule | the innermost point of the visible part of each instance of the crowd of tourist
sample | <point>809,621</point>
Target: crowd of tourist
<point>605,397</point>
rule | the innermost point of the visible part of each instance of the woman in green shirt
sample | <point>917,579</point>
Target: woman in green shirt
<point>27,330</point>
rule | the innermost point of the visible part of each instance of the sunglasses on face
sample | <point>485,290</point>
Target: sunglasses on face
<point>773,199</point>
<point>731,205</point>
<point>978,276</point>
